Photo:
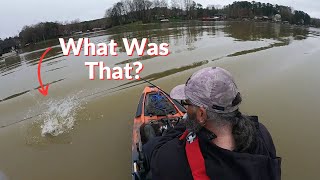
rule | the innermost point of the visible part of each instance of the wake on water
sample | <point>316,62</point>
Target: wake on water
<point>60,116</point>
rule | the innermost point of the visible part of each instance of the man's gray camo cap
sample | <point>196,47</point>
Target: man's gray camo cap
<point>212,88</point>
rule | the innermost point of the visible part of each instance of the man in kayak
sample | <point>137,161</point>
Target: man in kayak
<point>216,141</point>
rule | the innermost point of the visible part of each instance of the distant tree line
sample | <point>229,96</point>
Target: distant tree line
<point>315,22</point>
<point>7,44</point>
<point>245,9</point>
<point>49,30</point>
<point>129,11</point>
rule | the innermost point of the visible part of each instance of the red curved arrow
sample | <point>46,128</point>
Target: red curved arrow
<point>43,90</point>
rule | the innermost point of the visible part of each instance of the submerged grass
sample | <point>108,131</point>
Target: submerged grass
<point>277,44</point>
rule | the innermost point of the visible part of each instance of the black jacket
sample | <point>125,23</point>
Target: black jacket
<point>167,159</point>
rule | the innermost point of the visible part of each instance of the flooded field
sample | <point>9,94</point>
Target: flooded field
<point>275,66</point>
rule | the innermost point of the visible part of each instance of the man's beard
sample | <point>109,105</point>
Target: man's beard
<point>192,125</point>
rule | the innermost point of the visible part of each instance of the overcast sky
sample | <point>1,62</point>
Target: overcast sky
<point>14,14</point>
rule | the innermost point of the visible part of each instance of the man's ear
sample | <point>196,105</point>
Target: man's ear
<point>202,115</point>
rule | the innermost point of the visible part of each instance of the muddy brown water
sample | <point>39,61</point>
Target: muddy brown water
<point>275,66</point>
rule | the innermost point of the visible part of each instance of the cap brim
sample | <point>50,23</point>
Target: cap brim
<point>178,92</point>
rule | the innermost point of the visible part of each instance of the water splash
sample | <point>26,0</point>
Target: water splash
<point>60,116</point>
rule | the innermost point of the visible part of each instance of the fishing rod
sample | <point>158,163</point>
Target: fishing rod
<point>27,118</point>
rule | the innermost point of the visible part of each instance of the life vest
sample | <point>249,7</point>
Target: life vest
<point>194,156</point>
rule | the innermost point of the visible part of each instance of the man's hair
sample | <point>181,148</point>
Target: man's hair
<point>243,129</point>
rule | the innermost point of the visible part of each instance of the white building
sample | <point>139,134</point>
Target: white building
<point>277,18</point>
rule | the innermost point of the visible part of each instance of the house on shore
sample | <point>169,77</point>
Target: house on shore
<point>217,17</point>
<point>97,29</point>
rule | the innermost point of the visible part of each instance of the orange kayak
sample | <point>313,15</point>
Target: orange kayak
<point>156,113</point>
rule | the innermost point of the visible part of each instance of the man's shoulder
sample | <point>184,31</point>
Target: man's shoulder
<point>267,138</point>
<point>160,147</point>
<point>264,136</point>
<point>261,127</point>
<point>169,148</point>
<point>170,160</point>
<point>169,145</point>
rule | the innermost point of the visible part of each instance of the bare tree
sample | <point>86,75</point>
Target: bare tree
<point>164,3</point>
<point>175,4</point>
<point>108,12</point>
<point>156,3</point>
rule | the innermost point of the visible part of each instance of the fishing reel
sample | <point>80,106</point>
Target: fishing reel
<point>165,124</point>
<point>170,122</point>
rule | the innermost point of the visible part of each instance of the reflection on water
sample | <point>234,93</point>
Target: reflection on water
<point>252,31</point>
<point>189,34</point>
<point>184,34</point>
<point>314,32</point>
<point>33,57</point>
<point>181,37</point>
<point>41,45</point>
<point>10,64</point>
<point>192,32</point>
<point>274,52</point>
